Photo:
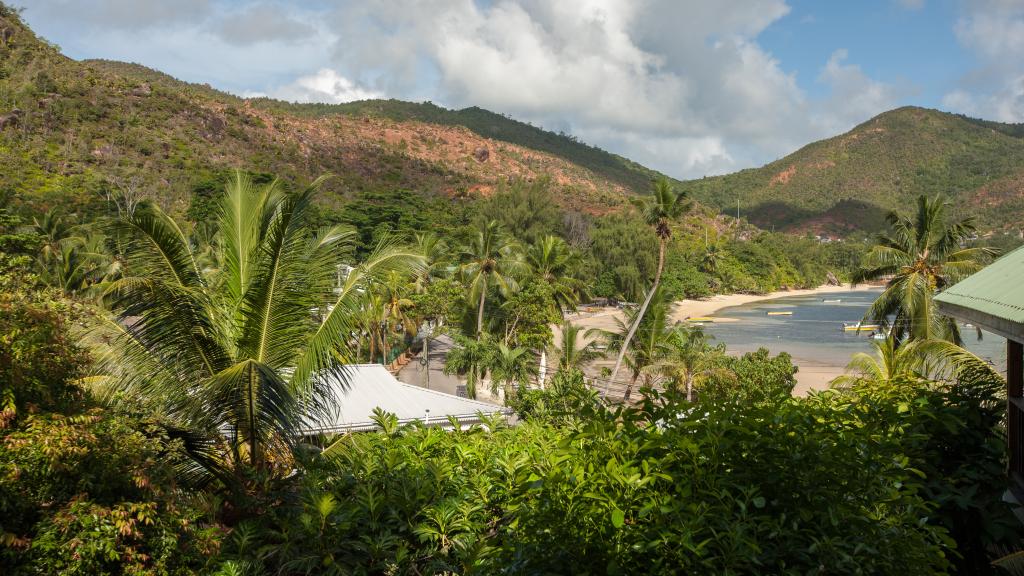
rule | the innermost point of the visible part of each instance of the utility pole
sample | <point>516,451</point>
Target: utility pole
<point>737,207</point>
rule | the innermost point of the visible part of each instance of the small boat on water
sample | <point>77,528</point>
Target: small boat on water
<point>780,313</point>
<point>700,319</point>
<point>831,301</point>
<point>861,327</point>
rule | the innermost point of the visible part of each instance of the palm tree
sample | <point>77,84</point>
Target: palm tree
<point>651,346</point>
<point>370,319</point>
<point>510,366</point>
<point>929,359</point>
<point>891,360</point>
<point>235,358</point>
<point>572,356</point>
<point>692,361</point>
<point>712,254</point>
<point>920,257</point>
<point>489,259</point>
<point>658,211</point>
<point>550,261</point>
<point>435,253</point>
<point>396,289</point>
<point>55,229</point>
<point>471,358</point>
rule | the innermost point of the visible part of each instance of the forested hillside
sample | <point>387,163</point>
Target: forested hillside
<point>85,131</point>
<point>848,182</point>
<point>80,140</point>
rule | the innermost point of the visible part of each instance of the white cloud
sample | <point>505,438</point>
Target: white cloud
<point>324,86</point>
<point>124,14</point>
<point>681,85</point>
<point>994,31</point>
<point>854,97</point>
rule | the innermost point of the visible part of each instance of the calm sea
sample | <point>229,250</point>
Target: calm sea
<point>814,334</point>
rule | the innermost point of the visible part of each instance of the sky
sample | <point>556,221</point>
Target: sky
<point>688,87</point>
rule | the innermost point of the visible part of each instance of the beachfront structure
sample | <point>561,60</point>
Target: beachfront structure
<point>993,299</point>
<point>364,387</point>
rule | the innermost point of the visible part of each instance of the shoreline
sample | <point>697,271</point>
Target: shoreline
<point>683,309</point>
<point>812,375</point>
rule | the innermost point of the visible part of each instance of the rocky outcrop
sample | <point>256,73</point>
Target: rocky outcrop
<point>482,154</point>
<point>10,119</point>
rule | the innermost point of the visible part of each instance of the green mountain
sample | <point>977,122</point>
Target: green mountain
<point>850,181</point>
<point>79,133</point>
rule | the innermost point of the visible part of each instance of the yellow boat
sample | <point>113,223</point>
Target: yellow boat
<point>780,313</point>
<point>700,319</point>
<point>860,327</point>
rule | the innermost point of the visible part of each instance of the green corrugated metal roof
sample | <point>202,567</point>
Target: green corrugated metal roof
<point>996,290</point>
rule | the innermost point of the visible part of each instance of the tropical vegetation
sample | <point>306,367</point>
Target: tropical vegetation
<point>919,257</point>
<point>172,313</point>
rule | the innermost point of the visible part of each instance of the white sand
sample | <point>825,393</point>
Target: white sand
<point>809,377</point>
<point>684,309</point>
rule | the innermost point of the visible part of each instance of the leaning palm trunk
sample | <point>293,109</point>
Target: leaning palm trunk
<point>640,314</point>
<point>542,369</point>
<point>480,309</point>
<point>426,356</point>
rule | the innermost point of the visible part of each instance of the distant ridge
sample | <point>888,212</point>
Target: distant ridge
<point>71,132</point>
<point>849,182</point>
<point>74,131</point>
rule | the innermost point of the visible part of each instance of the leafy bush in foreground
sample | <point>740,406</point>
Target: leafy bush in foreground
<point>876,481</point>
<point>95,494</point>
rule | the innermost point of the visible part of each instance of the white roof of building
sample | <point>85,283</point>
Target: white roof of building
<point>365,387</point>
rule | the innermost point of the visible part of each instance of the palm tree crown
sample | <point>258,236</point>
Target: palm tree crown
<point>920,256</point>
<point>490,258</point>
<point>571,355</point>
<point>662,207</point>
<point>550,260</point>
<point>236,356</point>
<point>651,346</point>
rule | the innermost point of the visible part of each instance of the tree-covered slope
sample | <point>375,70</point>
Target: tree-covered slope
<point>81,132</point>
<point>78,132</point>
<point>849,181</point>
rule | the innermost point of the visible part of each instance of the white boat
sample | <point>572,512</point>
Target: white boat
<point>861,327</point>
<point>831,300</point>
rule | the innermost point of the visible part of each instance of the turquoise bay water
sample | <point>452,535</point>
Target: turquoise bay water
<point>814,334</point>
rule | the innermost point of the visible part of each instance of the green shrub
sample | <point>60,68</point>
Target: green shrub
<point>874,481</point>
<point>38,355</point>
<point>95,494</point>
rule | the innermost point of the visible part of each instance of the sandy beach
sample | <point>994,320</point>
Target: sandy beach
<point>683,309</point>
<point>811,376</point>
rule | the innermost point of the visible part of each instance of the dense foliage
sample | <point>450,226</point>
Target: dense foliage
<point>724,473</point>
<point>168,325</point>
<point>728,489</point>
<point>82,490</point>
